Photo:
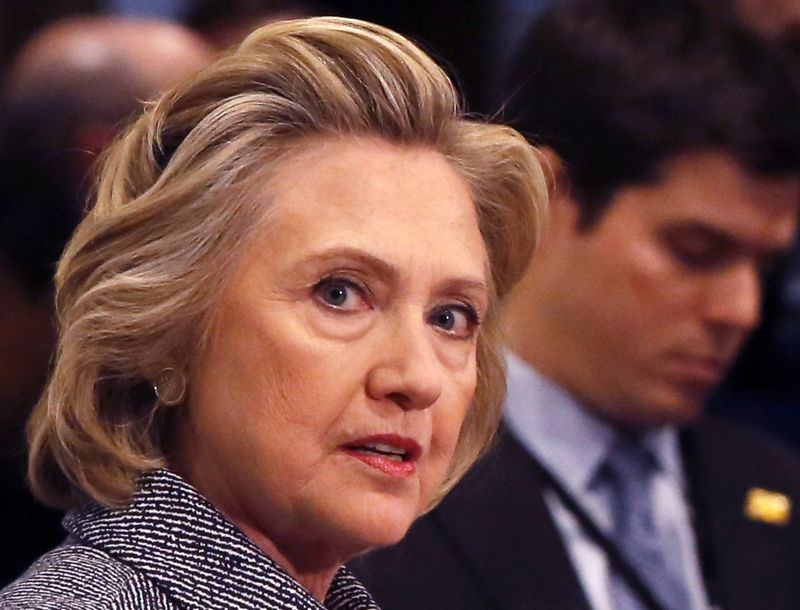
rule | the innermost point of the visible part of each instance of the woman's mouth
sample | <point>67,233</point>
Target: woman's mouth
<point>391,454</point>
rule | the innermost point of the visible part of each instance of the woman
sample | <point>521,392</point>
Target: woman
<point>278,340</point>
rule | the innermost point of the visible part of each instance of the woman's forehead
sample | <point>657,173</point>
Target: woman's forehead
<point>403,205</point>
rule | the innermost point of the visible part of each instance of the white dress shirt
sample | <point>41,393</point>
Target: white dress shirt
<point>571,442</point>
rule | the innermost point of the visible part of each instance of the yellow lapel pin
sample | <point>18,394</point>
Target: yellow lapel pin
<point>767,506</point>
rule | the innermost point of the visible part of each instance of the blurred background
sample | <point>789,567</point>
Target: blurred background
<point>74,71</point>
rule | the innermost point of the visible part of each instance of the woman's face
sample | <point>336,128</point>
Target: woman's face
<point>326,410</point>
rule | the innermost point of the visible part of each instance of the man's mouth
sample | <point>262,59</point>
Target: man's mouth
<point>700,370</point>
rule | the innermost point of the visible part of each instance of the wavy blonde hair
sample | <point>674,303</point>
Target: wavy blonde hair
<point>175,208</point>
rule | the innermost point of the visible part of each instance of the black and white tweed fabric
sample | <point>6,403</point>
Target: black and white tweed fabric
<point>170,549</point>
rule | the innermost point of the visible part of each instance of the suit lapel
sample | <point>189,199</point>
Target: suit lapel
<point>748,563</point>
<point>499,524</point>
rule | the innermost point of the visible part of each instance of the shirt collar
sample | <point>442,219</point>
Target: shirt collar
<point>663,444</point>
<point>177,539</point>
<point>567,438</point>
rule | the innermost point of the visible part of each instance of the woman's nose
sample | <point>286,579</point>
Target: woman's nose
<point>408,371</point>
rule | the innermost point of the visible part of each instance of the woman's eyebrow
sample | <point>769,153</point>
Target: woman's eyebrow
<point>466,284</point>
<point>385,270</point>
<point>355,257</point>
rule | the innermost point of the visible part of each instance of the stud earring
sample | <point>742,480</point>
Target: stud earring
<point>170,386</point>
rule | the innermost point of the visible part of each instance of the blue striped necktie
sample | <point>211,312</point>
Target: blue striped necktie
<point>628,473</point>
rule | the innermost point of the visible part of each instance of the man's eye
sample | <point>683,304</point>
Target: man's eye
<point>700,253</point>
<point>457,320</point>
<point>692,256</point>
<point>339,294</point>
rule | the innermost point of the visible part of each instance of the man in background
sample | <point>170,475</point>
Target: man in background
<point>674,148</point>
<point>69,90</point>
<point>78,79</point>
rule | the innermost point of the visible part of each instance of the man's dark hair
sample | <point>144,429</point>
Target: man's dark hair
<point>617,87</point>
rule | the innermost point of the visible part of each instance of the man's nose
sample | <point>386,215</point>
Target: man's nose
<point>734,300</point>
<point>408,370</point>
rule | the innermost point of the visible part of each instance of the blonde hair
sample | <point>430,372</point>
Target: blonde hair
<point>137,285</point>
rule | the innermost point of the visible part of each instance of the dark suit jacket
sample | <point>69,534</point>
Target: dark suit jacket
<point>492,544</point>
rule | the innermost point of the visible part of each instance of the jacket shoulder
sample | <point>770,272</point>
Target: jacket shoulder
<point>746,451</point>
<point>78,577</point>
<point>490,544</point>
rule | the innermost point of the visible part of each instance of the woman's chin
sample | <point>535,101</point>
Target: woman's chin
<point>375,521</point>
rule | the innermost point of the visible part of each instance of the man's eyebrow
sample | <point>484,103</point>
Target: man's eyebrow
<point>714,236</point>
<point>723,238</point>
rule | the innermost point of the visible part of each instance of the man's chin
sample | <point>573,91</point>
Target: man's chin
<point>672,406</point>
<point>682,408</point>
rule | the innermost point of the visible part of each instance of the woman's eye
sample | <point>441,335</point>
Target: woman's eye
<point>459,321</point>
<point>339,294</point>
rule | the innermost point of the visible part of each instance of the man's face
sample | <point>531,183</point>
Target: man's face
<point>647,309</point>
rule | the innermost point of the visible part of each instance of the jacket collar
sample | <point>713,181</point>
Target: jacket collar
<point>178,540</point>
<point>567,437</point>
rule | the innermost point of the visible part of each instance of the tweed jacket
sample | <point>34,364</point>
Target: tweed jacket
<point>169,549</point>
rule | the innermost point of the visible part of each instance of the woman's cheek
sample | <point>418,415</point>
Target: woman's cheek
<point>447,429</point>
<point>337,326</point>
<point>459,357</point>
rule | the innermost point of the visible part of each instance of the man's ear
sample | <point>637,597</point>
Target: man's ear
<point>564,210</point>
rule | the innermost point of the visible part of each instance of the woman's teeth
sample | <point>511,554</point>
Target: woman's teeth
<point>393,453</point>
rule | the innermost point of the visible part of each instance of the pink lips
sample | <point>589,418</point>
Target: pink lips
<point>389,453</point>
